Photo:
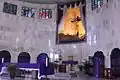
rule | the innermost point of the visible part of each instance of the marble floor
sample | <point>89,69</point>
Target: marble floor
<point>80,77</point>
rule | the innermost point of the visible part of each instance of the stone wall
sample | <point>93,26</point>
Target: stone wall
<point>22,34</point>
<point>104,24</point>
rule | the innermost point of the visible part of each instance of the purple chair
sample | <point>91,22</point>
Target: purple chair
<point>46,68</point>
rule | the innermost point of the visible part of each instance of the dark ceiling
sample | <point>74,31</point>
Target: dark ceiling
<point>50,1</point>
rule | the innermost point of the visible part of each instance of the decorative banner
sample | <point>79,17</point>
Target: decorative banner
<point>10,8</point>
<point>45,14</point>
<point>71,25</point>
<point>40,13</point>
<point>96,4</point>
<point>28,12</point>
<point>49,13</point>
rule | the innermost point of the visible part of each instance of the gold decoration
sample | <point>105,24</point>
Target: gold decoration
<point>70,58</point>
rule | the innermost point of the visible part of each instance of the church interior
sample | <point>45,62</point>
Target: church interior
<point>59,39</point>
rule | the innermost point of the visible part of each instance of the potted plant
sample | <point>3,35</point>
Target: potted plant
<point>56,67</point>
<point>86,66</point>
<point>80,67</point>
<point>12,70</point>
